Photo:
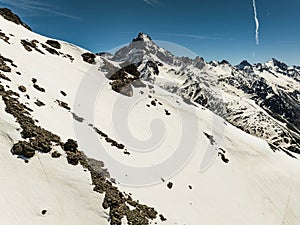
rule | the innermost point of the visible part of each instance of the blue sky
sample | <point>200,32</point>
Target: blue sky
<point>215,30</point>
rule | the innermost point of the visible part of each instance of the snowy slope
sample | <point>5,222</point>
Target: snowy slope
<point>183,160</point>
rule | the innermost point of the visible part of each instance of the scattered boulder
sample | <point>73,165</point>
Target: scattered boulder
<point>3,66</point>
<point>77,118</point>
<point>70,145</point>
<point>224,159</point>
<point>162,218</point>
<point>132,69</point>
<point>22,88</point>
<point>50,50</point>
<point>44,211</point>
<point>37,87</point>
<point>55,154</point>
<point>73,158</point>
<point>4,77</point>
<point>29,45</point>
<point>125,78</point>
<point>54,44</point>
<point>63,104</point>
<point>89,57</point>
<point>122,87</point>
<point>4,37</point>
<point>63,93</point>
<point>170,185</point>
<point>23,148</point>
<point>210,137</point>
<point>69,56</point>
<point>39,103</point>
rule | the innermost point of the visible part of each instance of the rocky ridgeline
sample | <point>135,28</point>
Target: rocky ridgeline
<point>53,49</point>
<point>10,16</point>
<point>38,139</point>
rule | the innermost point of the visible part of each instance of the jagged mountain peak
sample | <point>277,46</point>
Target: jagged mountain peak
<point>243,65</point>
<point>142,37</point>
<point>279,64</point>
<point>224,62</point>
<point>142,48</point>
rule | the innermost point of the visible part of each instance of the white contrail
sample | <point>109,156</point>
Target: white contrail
<point>256,23</point>
<point>152,2</point>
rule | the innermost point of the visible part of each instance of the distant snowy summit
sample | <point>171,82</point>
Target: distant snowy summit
<point>142,37</point>
<point>273,86</point>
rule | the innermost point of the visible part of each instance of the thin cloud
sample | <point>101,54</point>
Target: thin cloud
<point>256,23</point>
<point>194,36</point>
<point>152,2</point>
<point>37,7</point>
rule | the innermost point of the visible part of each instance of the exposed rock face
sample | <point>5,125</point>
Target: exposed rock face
<point>50,50</point>
<point>29,45</point>
<point>142,37</point>
<point>279,64</point>
<point>89,58</point>
<point>22,88</point>
<point>125,78</point>
<point>70,145</point>
<point>55,154</point>
<point>10,16</point>
<point>3,66</point>
<point>243,64</point>
<point>23,148</point>
<point>4,37</point>
<point>4,77</point>
<point>54,44</point>
<point>63,104</point>
<point>122,87</point>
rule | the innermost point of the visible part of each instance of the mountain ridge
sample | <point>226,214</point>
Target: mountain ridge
<point>50,85</point>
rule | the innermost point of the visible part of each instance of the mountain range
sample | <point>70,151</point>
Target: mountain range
<point>142,136</point>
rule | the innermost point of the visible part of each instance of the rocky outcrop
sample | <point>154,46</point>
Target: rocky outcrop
<point>125,78</point>
<point>4,37</point>
<point>10,16</point>
<point>30,45</point>
<point>89,57</point>
<point>54,44</point>
<point>142,37</point>
<point>50,50</point>
<point>3,66</point>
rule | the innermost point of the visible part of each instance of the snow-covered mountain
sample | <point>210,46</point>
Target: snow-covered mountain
<point>262,99</point>
<point>142,136</point>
